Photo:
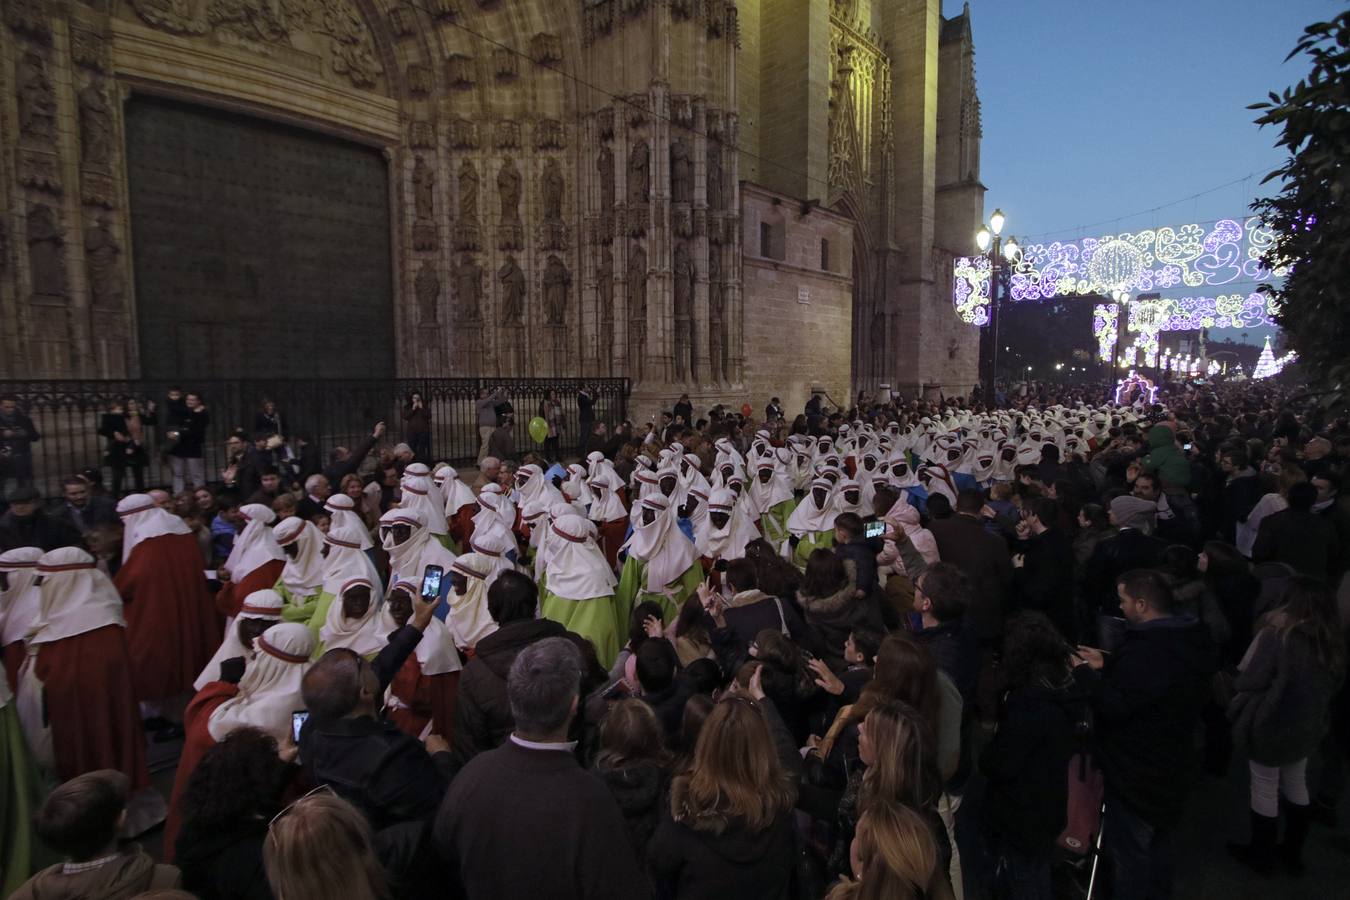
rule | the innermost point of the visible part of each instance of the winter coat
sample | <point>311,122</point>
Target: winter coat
<point>1165,459</point>
<point>1027,764</point>
<point>224,864</point>
<point>694,865</point>
<point>1147,702</point>
<point>1283,698</point>
<point>483,717</point>
<point>641,791</point>
<point>834,617</point>
<point>125,877</point>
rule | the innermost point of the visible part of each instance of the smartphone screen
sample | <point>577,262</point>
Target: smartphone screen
<point>431,581</point>
<point>874,529</point>
<point>297,722</point>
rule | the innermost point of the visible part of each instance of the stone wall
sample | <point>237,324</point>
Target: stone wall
<point>798,316</point>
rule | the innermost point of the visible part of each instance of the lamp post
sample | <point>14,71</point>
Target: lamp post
<point>1122,299</point>
<point>1002,253</point>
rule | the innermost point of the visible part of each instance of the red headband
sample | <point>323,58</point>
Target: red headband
<point>280,654</point>
<point>67,567</point>
<point>139,509</point>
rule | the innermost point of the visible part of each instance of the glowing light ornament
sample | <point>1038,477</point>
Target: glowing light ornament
<point>1265,364</point>
<point>1127,387</point>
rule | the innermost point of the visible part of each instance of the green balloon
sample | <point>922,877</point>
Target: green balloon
<point>538,430</point>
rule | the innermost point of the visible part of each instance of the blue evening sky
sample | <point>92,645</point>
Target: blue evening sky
<point>1097,112</point>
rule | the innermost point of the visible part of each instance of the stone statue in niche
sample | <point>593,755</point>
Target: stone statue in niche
<point>508,190</point>
<point>639,174</point>
<point>551,184</point>
<point>468,192</point>
<point>604,289</point>
<point>427,287</point>
<point>46,254</point>
<point>714,175</point>
<point>4,248</point>
<point>604,166</point>
<point>604,283</point>
<point>424,189</point>
<point>716,338</point>
<point>468,282</point>
<point>681,172</point>
<point>557,282</point>
<point>514,291</point>
<point>96,128</point>
<point>684,305</point>
<point>101,258</point>
<point>37,102</point>
<point>637,309</point>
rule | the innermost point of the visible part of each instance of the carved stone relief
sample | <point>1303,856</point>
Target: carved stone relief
<point>459,70</point>
<point>514,291</point>
<point>420,79</point>
<point>557,284</point>
<point>508,191</point>
<point>102,255</point>
<point>716,336</point>
<point>37,101</point>
<point>96,127</point>
<point>636,106</point>
<point>604,289</point>
<point>89,49</point>
<point>30,17</point>
<point>334,25</point>
<point>604,123</point>
<point>637,309</point>
<point>424,205</point>
<point>468,192</point>
<point>427,287</point>
<point>639,174</point>
<point>546,49</point>
<point>422,134</point>
<point>681,172</point>
<point>505,63</point>
<point>463,134</point>
<point>468,283</point>
<point>548,134</point>
<point>506,136</point>
<point>684,304</point>
<point>714,175</point>
<point>551,189</point>
<point>46,254</point>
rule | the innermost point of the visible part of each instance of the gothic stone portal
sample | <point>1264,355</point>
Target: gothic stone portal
<point>260,249</point>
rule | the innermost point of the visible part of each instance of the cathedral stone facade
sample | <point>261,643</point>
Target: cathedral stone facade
<point>298,188</point>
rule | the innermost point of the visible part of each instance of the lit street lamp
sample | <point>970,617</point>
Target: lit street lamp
<point>1003,255</point>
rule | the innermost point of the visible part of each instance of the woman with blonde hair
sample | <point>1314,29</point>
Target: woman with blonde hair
<point>319,848</point>
<point>893,857</point>
<point>730,829</point>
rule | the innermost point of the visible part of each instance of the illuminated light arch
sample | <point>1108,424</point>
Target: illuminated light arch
<point>1187,258</point>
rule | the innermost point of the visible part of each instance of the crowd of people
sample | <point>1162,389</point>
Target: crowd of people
<point>910,649</point>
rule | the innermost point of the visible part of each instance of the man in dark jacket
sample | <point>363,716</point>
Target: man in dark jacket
<point>343,461</point>
<point>1132,547</point>
<point>482,712</point>
<point>982,555</point>
<point>851,546</point>
<point>1043,570</point>
<point>524,819</point>
<point>367,760</point>
<point>26,524</point>
<point>1300,538</point>
<point>1147,698</point>
<point>1241,490</point>
<point>733,624</point>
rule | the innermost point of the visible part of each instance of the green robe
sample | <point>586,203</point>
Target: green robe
<point>596,619</point>
<point>321,604</point>
<point>21,793</point>
<point>447,542</point>
<point>632,590</point>
<point>773,524</point>
<point>816,540</point>
<point>297,609</point>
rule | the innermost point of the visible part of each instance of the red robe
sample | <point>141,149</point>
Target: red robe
<point>231,597</point>
<point>611,539</point>
<point>196,743</point>
<point>461,525</point>
<point>426,698</point>
<point>91,705</point>
<point>172,631</point>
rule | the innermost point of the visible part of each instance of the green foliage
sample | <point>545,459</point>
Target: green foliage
<point>1308,215</point>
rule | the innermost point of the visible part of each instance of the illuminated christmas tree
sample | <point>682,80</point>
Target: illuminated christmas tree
<point>1265,366</point>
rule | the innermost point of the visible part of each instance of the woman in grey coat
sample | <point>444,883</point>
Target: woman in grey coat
<point>1279,713</point>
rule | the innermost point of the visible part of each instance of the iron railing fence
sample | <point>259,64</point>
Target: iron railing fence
<point>329,413</point>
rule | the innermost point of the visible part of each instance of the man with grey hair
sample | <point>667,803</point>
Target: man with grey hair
<point>529,800</point>
<point>317,490</point>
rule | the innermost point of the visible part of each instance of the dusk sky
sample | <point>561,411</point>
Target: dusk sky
<point>1095,113</point>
